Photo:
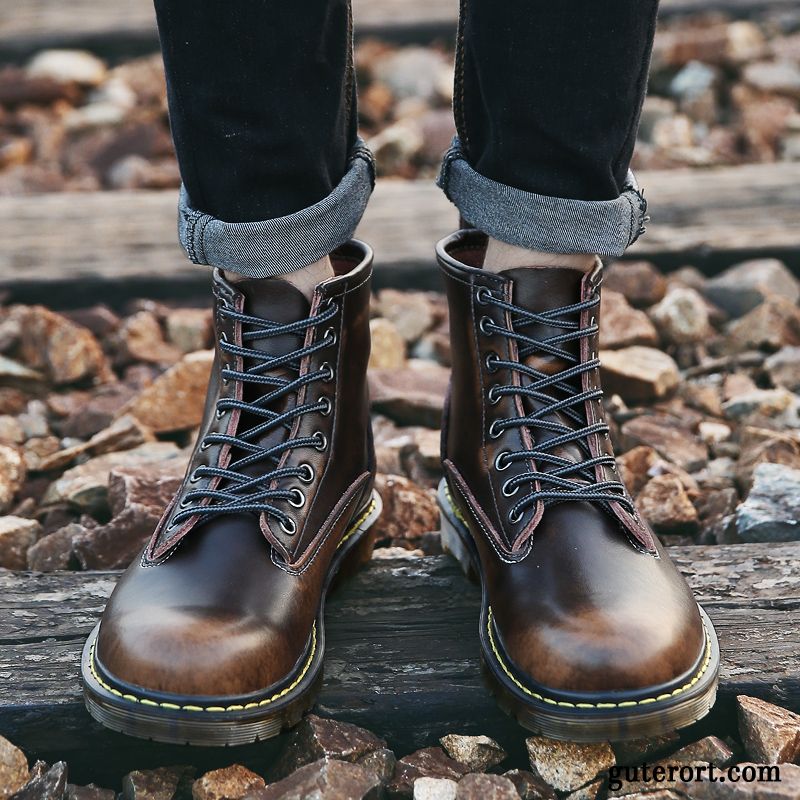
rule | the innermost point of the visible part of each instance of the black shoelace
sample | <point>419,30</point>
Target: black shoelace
<point>568,479</point>
<point>243,492</point>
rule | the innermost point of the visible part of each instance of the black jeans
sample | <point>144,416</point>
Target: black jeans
<point>263,110</point>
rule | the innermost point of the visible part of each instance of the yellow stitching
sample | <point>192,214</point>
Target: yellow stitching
<point>624,704</point>
<point>173,707</point>
<point>562,703</point>
<point>237,707</point>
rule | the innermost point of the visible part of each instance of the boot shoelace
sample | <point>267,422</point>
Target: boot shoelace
<point>245,493</point>
<point>568,479</point>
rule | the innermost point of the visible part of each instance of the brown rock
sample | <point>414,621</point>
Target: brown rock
<point>64,351</point>
<point>11,431</point>
<point>589,792</point>
<point>409,511</point>
<point>14,375</point>
<point>163,783</point>
<point>744,286</point>
<point>779,405</point>
<point>623,325</point>
<point>412,313</point>
<point>639,281</point>
<point>13,768</point>
<point>756,782</point>
<point>634,751</point>
<point>771,325</point>
<point>682,317</point>
<point>137,497</point>
<point>567,766</point>
<point>17,534</point>
<point>486,787</point>
<point>17,88</point>
<point>54,551</point>
<point>783,368</point>
<point>765,446</point>
<point>12,475</point>
<point>326,779</point>
<point>230,783</point>
<point>140,338</point>
<point>770,734</point>
<point>175,400</point>
<point>639,373</point>
<point>99,319</point>
<point>189,329</point>
<point>38,451</point>
<point>530,786</point>
<point>669,438</point>
<point>430,762</point>
<point>388,346</point>
<point>665,505</point>
<point>709,749</point>
<point>45,784</point>
<point>85,487</point>
<point>90,792</point>
<point>478,753</point>
<point>381,763</point>
<point>318,738</point>
<point>410,396</point>
<point>87,415</point>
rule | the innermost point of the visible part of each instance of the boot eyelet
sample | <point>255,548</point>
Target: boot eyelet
<point>514,518</point>
<point>327,406</point>
<point>288,526</point>
<point>494,431</point>
<point>506,492</point>
<point>205,445</point>
<point>331,303</point>
<point>308,473</point>
<point>298,499</point>
<point>194,478</point>
<point>330,332</point>
<point>220,413</point>
<point>482,295</point>
<point>328,370</point>
<point>323,441</point>
<point>491,361</point>
<point>502,458</point>
<point>185,502</point>
<point>494,398</point>
<point>223,337</point>
<point>484,321</point>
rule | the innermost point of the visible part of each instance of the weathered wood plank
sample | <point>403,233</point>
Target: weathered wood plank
<point>382,670</point>
<point>25,26</point>
<point>125,242</point>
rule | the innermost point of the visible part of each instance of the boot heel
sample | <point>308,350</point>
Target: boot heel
<point>454,544</point>
<point>358,556</point>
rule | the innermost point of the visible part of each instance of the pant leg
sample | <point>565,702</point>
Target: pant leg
<point>263,114</point>
<point>547,103</point>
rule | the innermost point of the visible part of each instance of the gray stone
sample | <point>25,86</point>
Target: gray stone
<point>45,784</point>
<point>163,783</point>
<point>68,66</point>
<point>413,72</point>
<point>430,762</point>
<point>770,734</point>
<point>434,789</point>
<point>779,405</point>
<point>682,316</point>
<point>744,286</point>
<point>381,763</point>
<point>771,512</point>
<point>479,753</point>
<point>784,368</point>
<point>89,792</point>
<point>567,766</point>
<point>780,77</point>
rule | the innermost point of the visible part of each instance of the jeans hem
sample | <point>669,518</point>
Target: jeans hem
<point>284,244</point>
<point>538,222</point>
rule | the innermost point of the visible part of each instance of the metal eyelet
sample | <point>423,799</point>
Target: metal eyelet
<point>331,303</point>
<point>328,370</point>
<point>502,456</point>
<point>327,406</point>
<point>482,295</point>
<point>300,501</point>
<point>494,433</point>
<point>205,445</point>
<point>514,518</point>
<point>185,502</point>
<point>223,337</point>
<point>323,441</point>
<point>494,398</point>
<point>291,528</point>
<point>491,361</point>
<point>332,333</point>
<point>220,413</point>
<point>506,493</point>
<point>194,478</point>
<point>484,321</point>
<point>308,472</point>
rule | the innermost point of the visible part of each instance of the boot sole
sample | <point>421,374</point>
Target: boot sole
<point>221,721</point>
<point>578,717</point>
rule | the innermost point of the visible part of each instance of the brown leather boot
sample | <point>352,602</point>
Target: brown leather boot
<point>215,635</point>
<point>588,632</point>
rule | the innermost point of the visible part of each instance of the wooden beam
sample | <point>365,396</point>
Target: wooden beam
<point>402,654</point>
<point>67,248</point>
<point>122,25</point>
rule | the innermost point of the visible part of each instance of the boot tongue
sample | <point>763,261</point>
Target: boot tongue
<point>273,300</point>
<point>539,290</point>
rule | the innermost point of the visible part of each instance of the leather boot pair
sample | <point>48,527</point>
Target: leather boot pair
<point>587,631</point>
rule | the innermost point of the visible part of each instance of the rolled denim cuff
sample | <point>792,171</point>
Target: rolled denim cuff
<point>276,246</point>
<point>538,222</point>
